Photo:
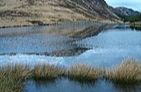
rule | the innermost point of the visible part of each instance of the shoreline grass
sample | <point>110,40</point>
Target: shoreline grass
<point>12,77</point>
<point>47,72</point>
<point>83,72</point>
<point>128,72</point>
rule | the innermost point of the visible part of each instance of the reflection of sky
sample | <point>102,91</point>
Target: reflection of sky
<point>134,4</point>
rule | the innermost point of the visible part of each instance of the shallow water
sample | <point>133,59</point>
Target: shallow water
<point>54,45</point>
<point>34,45</point>
<point>65,85</point>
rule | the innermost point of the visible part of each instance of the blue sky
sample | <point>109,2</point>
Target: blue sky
<point>134,4</point>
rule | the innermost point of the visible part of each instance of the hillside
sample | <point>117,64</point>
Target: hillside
<point>127,14</point>
<point>28,12</point>
<point>125,11</point>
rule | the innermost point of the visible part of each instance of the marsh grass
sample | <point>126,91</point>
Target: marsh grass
<point>47,72</point>
<point>128,72</point>
<point>83,73</point>
<point>12,77</point>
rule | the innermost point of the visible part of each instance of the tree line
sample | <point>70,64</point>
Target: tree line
<point>134,18</point>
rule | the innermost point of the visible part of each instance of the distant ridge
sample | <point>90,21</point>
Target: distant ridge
<point>125,11</point>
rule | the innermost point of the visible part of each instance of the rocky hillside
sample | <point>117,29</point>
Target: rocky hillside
<point>28,12</point>
<point>91,8</point>
<point>125,11</point>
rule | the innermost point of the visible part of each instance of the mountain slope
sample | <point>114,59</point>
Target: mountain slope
<point>125,11</point>
<point>28,12</point>
<point>92,8</point>
<point>127,14</point>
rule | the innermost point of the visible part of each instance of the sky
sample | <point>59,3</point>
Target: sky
<point>134,4</point>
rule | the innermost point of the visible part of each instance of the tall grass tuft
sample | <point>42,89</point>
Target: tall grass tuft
<point>47,72</point>
<point>12,78</point>
<point>83,72</point>
<point>128,72</point>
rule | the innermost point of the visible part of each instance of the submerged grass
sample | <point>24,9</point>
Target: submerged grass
<point>12,78</point>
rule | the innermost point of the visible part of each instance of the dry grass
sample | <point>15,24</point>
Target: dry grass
<point>128,72</point>
<point>47,72</point>
<point>46,11</point>
<point>12,78</point>
<point>82,72</point>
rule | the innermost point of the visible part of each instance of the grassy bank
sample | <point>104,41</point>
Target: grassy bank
<point>12,78</point>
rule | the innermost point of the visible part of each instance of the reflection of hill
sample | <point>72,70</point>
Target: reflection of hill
<point>57,40</point>
<point>77,49</point>
<point>73,29</point>
<point>88,31</point>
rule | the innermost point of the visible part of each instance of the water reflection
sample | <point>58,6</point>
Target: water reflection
<point>47,40</point>
<point>136,28</point>
<point>69,44</point>
<point>65,85</point>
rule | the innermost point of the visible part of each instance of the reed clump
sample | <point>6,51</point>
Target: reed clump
<point>47,72</point>
<point>12,78</point>
<point>83,72</point>
<point>127,73</point>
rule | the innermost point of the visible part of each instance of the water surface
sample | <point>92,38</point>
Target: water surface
<point>68,44</point>
<point>44,44</point>
<point>65,85</point>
